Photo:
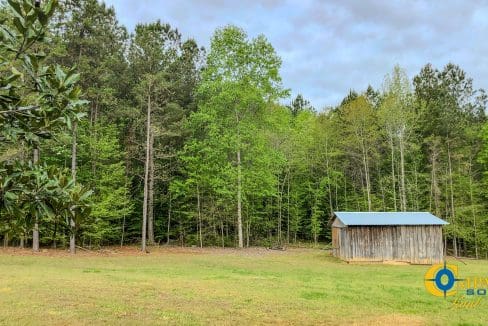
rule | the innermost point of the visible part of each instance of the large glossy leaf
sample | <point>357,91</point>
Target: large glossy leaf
<point>16,8</point>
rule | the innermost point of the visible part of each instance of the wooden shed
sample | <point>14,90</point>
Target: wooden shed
<point>413,237</point>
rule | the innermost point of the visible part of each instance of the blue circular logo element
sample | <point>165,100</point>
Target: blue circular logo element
<point>450,279</point>
<point>440,280</point>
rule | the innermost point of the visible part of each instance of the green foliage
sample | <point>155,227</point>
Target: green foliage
<point>219,138</point>
<point>41,193</point>
<point>107,177</point>
<point>229,149</point>
<point>37,100</point>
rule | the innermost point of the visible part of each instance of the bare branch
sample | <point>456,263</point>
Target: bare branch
<point>20,109</point>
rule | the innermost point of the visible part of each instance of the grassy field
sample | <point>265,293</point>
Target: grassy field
<point>216,286</point>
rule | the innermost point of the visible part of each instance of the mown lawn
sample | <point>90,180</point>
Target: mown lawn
<point>215,286</point>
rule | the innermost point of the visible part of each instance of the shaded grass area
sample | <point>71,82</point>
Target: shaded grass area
<point>213,286</point>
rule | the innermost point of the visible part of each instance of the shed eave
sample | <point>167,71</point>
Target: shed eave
<point>387,218</point>
<point>396,224</point>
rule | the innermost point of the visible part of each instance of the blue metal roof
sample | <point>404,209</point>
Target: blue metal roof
<point>389,218</point>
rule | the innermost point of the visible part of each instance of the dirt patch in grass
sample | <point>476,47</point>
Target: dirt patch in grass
<point>109,251</point>
<point>155,250</point>
<point>393,319</point>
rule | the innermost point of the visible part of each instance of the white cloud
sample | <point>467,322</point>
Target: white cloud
<point>329,47</point>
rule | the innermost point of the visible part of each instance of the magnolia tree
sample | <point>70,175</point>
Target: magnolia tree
<point>37,101</point>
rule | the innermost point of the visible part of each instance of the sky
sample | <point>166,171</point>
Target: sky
<point>329,47</point>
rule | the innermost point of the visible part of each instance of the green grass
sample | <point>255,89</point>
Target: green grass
<point>256,286</point>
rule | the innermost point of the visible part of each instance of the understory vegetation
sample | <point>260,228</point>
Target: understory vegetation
<point>109,137</point>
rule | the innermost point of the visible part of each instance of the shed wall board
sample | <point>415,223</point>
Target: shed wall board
<point>419,244</point>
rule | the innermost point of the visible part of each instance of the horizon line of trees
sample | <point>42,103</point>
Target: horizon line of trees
<point>156,140</point>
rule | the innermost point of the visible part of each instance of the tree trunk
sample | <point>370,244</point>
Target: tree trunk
<point>248,230</point>
<point>288,211</point>
<point>35,231</point>
<point>280,198</point>
<point>35,236</point>
<point>393,180</point>
<point>239,185</point>
<point>451,189</point>
<point>434,185</point>
<point>54,245</point>
<point>382,189</point>
<point>146,176</point>
<point>403,192</point>
<point>417,193</point>
<point>123,232</point>
<point>72,243</point>
<point>473,212</point>
<point>239,199</point>
<point>331,209</point>
<point>169,219</point>
<point>94,135</point>
<point>150,208</point>
<point>72,236</point>
<point>222,232</point>
<point>366,174</point>
<point>199,218</point>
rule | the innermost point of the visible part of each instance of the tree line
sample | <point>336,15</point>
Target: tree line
<point>110,137</point>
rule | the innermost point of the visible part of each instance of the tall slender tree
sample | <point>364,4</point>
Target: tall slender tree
<point>241,76</point>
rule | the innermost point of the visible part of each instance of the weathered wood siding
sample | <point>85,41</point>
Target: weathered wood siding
<point>419,244</point>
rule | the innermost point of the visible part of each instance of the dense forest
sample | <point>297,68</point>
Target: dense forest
<point>111,138</point>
